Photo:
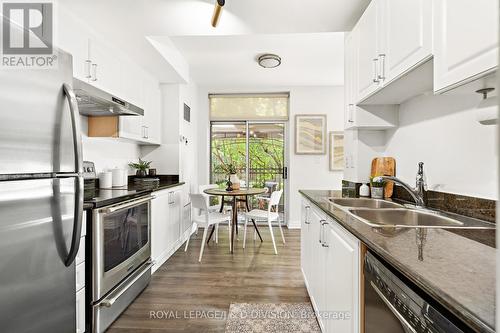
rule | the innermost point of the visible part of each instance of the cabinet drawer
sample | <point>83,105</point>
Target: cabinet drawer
<point>80,311</point>
<point>80,256</point>
<point>80,276</point>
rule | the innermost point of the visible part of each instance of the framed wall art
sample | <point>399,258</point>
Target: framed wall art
<point>310,134</point>
<point>336,151</point>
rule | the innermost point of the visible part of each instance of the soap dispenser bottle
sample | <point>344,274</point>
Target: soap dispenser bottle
<point>364,190</point>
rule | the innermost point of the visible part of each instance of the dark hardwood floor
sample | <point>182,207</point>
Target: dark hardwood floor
<point>182,285</point>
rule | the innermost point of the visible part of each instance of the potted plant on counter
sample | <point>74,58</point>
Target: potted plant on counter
<point>377,188</point>
<point>141,167</point>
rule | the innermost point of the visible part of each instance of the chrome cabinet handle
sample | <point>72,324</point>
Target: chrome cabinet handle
<point>350,120</point>
<point>77,148</point>
<point>321,224</point>
<point>324,243</point>
<point>393,309</point>
<point>306,221</point>
<point>94,73</point>
<point>87,68</point>
<point>381,75</point>
<point>375,70</point>
<point>146,131</point>
<point>108,302</point>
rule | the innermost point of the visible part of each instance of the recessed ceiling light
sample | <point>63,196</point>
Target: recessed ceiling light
<point>269,61</point>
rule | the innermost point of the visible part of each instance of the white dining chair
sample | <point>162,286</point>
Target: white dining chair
<point>213,208</point>
<point>269,215</point>
<point>205,219</point>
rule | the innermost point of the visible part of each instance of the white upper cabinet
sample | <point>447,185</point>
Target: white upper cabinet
<point>369,49</point>
<point>465,41</point>
<point>104,68</point>
<point>407,36</point>
<point>394,38</point>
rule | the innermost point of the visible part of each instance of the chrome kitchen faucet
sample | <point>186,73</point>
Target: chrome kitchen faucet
<point>416,193</point>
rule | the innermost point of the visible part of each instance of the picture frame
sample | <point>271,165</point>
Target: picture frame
<point>336,151</point>
<point>310,134</point>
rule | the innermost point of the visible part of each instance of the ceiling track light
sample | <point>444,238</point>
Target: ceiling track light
<point>217,12</point>
<point>269,60</point>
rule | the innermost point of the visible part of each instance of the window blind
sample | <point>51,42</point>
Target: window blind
<point>249,107</point>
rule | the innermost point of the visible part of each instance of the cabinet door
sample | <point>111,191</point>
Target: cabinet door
<point>80,311</point>
<point>131,128</point>
<point>74,39</point>
<point>317,269</point>
<point>106,66</point>
<point>407,37</point>
<point>342,289</point>
<point>465,41</point>
<point>152,112</point>
<point>369,50</point>
<point>159,227</point>
<point>350,78</point>
<point>305,255</point>
<point>175,216</point>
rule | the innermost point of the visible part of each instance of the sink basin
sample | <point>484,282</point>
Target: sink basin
<point>363,203</point>
<point>412,218</point>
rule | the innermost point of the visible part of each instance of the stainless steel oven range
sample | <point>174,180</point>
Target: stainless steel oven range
<point>121,258</point>
<point>391,306</point>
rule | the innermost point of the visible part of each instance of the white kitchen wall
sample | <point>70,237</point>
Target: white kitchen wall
<point>460,155</point>
<point>172,156</point>
<point>305,171</point>
<point>108,153</point>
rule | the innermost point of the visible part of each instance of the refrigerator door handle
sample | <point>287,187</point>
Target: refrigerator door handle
<point>77,145</point>
<point>75,123</point>
<point>77,222</point>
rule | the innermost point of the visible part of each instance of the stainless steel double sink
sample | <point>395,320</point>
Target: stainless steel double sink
<point>388,214</point>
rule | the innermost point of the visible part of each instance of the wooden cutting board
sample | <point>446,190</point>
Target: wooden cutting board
<point>384,166</point>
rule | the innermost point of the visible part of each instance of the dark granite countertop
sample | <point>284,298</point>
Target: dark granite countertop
<point>457,272</point>
<point>96,198</point>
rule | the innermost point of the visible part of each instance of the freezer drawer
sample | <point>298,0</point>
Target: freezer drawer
<point>113,304</point>
<point>36,225</point>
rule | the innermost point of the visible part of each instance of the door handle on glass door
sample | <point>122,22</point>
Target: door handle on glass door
<point>77,147</point>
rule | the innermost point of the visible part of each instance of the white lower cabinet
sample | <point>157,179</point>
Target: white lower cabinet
<point>167,219</point>
<point>330,263</point>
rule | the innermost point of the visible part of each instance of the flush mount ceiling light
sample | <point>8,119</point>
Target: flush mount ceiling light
<point>217,11</point>
<point>269,60</point>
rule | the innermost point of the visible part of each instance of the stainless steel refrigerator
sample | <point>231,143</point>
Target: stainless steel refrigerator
<point>41,198</point>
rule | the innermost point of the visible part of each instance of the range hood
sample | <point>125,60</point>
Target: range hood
<point>93,101</point>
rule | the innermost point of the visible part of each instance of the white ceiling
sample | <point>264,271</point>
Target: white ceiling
<point>307,59</point>
<point>127,23</point>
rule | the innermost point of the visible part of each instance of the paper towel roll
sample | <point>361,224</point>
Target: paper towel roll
<point>487,111</point>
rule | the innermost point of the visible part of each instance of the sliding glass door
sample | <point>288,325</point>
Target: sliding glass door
<point>257,150</point>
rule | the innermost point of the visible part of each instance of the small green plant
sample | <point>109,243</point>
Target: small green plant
<point>142,165</point>
<point>376,183</point>
<point>226,168</point>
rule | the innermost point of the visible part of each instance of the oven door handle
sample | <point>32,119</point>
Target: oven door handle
<point>109,301</point>
<point>126,205</point>
<point>393,309</point>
